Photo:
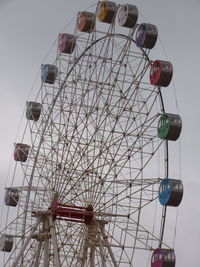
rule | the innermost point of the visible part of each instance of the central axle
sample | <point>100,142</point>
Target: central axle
<point>72,213</point>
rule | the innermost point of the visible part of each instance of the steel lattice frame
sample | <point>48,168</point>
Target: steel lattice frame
<point>95,144</point>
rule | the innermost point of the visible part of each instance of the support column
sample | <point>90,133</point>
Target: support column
<point>37,255</point>
<point>109,247</point>
<point>46,253</point>
<point>102,256</point>
<point>92,256</point>
<point>85,251</point>
<point>54,242</point>
<point>46,229</point>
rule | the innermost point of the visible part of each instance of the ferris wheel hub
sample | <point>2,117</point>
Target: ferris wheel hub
<point>72,213</point>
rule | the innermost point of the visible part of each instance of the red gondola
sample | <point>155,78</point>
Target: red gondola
<point>86,21</point>
<point>21,152</point>
<point>161,73</point>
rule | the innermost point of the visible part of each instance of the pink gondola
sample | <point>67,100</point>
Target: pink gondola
<point>66,43</point>
<point>163,258</point>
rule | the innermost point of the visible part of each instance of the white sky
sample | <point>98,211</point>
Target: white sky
<point>28,29</point>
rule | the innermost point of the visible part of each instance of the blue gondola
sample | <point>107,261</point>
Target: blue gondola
<point>170,192</point>
<point>48,73</point>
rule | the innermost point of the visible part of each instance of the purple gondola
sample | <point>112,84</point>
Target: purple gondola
<point>146,35</point>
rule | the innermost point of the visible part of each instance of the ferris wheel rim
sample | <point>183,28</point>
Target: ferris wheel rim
<point>67,75</point>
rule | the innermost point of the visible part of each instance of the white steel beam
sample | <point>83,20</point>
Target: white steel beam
<point>26,243</point>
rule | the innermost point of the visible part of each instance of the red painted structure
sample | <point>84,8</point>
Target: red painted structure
<point>163,258</point>
<point>72,213</point>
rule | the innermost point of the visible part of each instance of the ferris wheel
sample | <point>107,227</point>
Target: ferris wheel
<point>93,160</point>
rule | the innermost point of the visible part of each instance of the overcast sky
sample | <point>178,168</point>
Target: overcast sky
<point>29,28</point>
